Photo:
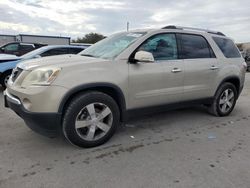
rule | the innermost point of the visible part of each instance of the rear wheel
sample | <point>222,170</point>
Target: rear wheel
<point>224,100</point>
<point>90,119</point>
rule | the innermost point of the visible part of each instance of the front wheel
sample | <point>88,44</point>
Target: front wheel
<point>4,78</point>
<point>90,119</point>
<point>224,100</point>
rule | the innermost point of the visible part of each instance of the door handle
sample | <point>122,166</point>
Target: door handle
<point>176,70</point>
<point>214,68</point>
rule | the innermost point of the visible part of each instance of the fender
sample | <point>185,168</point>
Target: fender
<point>98,86</point>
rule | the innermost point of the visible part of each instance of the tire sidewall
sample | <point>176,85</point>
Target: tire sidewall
<point>77,104</point>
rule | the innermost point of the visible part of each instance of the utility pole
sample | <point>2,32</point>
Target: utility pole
<point>127,26</point>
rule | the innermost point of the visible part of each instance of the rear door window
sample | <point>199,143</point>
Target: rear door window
<point>195,46</point>
<point>227,47</point>
<point>26,48</point>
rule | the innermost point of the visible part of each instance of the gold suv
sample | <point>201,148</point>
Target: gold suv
<point>86,96</point>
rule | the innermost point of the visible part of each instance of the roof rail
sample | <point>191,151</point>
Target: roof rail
<point>194,29</point>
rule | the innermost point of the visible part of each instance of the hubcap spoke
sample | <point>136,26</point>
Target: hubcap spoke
<point>229,104</point>
<point>104,113</point>
<point>103,126</point>
<point>226,93</point>
<point>82,124</point>
<point>91,133</point>
<point>224,107</point>
<point>222,101</point>
<point>91,110</point>
<point>230,96</point>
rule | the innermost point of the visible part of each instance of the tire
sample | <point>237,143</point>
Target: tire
<point>248,69</point>
<point>220,105</point>
<point>3,78</point>
<point>90,119</point>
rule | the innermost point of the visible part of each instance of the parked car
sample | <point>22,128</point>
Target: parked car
<point>126,74</point>
<point>19,48</point>
<point>7,65</point>
<point>247,59</point>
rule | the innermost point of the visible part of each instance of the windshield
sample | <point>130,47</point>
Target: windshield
<point>33,53</point>
<point>112,46</point>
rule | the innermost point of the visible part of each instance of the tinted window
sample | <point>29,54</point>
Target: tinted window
<point>195,46</point>
<point>26,47</point>
<point>227,47</point>
<point>75,50</point>
<point>162,46</point>
<point>11,47</point>
<point>57,51</point>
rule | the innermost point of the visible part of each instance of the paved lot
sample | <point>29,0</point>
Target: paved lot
<point>182,148</point>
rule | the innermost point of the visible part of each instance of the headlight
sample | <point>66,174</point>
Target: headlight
<point>41,76</point>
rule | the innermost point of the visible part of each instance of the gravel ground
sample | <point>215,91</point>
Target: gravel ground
<point>182,148</point>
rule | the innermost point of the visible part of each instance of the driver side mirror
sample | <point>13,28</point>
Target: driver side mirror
<point>2,49</point>
<point>143,56</point>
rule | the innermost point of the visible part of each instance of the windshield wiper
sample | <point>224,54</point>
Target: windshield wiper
<point>88,55</point>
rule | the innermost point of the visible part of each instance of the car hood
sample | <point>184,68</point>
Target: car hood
<point>59,61</point>
<point>8,57</point>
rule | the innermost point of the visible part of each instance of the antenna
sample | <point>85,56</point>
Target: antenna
<point>127,26</point>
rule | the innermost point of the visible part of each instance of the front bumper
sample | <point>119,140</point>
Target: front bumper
<point>47,124</point>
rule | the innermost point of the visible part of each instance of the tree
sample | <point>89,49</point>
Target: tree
<point>89,38</point>
<point>240,46</point>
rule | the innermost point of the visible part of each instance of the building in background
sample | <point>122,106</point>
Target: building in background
<point>244,48</point>
<point>42,39</point>
<point>4,39</point>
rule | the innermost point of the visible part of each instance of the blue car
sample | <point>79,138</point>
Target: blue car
<point>7,64</point>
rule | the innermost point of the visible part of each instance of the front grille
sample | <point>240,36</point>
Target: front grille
<point>15,73</point>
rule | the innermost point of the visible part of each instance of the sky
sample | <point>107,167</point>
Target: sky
<point>75,18</point>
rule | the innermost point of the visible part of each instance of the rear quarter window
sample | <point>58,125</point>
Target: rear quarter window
<point>26,47</point>
<point>227,47</point>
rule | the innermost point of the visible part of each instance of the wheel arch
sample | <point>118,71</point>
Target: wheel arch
<point>110,89</point>
<point>2,74</point>
<point>5,71</point>
<point>233,80</point>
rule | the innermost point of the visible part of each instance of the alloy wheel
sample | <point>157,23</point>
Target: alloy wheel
<point>6,79</point>
<point>93,121</point>
<point>226,101</point>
